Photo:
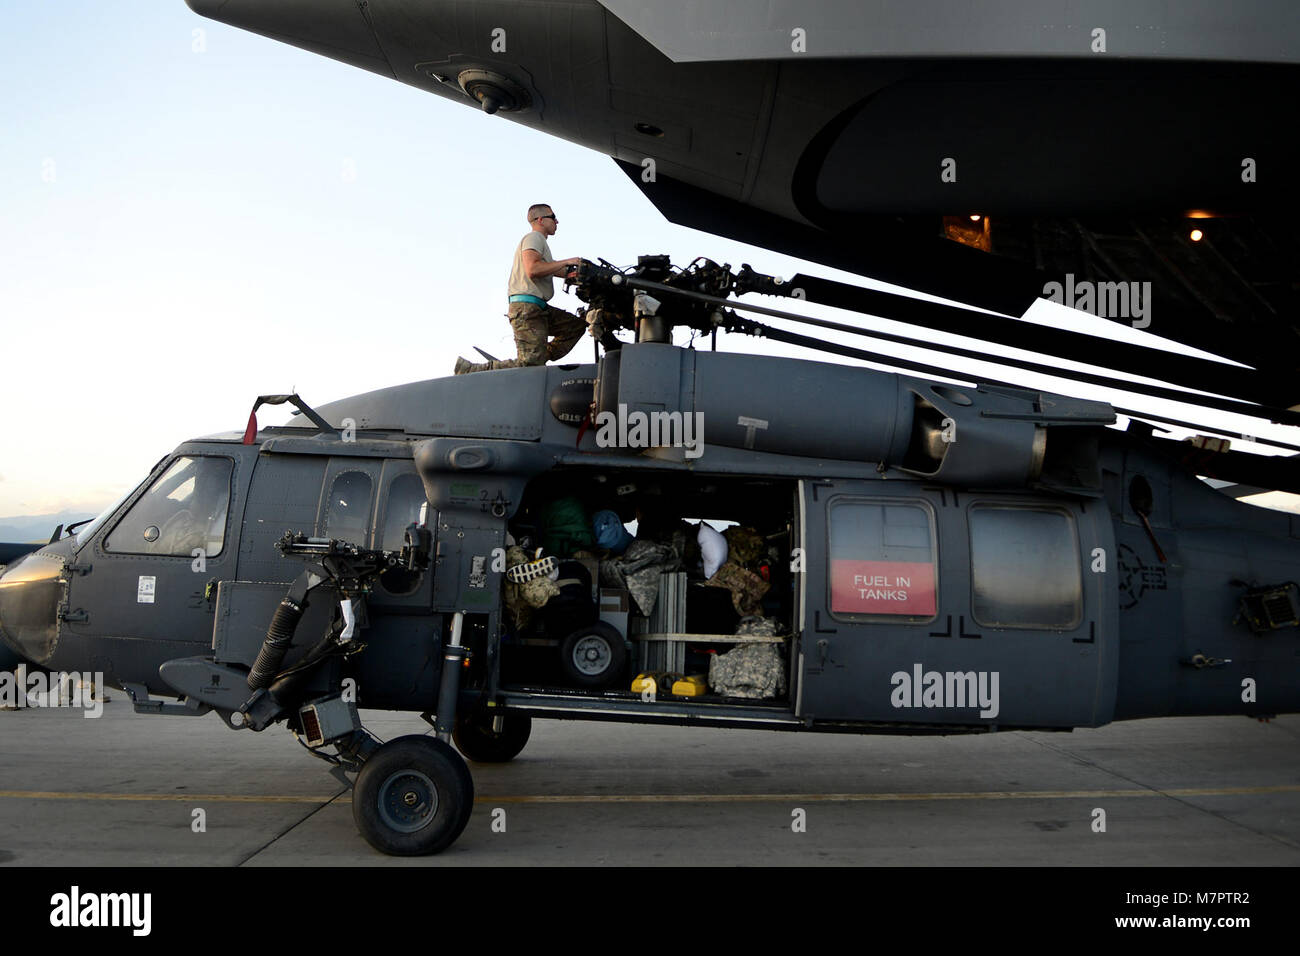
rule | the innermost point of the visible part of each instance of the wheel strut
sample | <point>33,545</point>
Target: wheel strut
<point>449,690</point>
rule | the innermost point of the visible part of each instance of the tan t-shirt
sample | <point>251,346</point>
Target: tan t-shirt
<point>520,284</point>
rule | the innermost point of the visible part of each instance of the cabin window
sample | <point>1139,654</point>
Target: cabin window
<point>1025,569</point>
<point>882,560</point>
<point>183,512</point>
<point>347,512</point>
<point>405,496</point>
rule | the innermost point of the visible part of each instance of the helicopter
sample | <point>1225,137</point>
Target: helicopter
<point>912,555</point>
<point>922,557</point>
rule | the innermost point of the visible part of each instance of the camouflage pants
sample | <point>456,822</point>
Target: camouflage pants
<point>532,325</point>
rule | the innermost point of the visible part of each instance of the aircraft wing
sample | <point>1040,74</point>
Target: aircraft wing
<point>976,152</point>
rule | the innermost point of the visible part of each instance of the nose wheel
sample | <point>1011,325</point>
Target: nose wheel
<point>413,797</point>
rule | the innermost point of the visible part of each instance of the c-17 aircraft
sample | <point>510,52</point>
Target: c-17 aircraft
<point>926,557</point>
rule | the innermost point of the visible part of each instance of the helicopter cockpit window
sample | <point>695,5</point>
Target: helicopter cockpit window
<point>882,561</point>
<point>89,531</point>
<point>1025,569</point>
<point>347,513</point>
<point>183,511</point>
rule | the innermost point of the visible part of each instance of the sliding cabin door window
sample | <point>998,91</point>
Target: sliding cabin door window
<point>882,560</point>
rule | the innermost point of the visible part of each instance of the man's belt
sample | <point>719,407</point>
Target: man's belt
<point>525,297</point>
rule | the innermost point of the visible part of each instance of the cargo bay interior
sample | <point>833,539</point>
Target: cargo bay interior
<point>628,583</point>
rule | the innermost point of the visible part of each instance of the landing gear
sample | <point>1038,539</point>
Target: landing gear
<point>476,739</point>
<point>594,656</point>
<point>413,797</point>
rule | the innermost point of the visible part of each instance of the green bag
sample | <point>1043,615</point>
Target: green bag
<point>565,527</point>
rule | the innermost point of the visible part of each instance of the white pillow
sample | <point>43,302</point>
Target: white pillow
<point>713,548</point>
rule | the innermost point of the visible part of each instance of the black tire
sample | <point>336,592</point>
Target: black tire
<point>413,797</point>
<point>478,742</point>
<point>594,656</point>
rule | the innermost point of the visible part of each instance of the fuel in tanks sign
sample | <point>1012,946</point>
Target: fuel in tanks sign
<point>882,587</point>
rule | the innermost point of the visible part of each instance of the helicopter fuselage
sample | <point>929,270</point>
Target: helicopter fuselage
<point>1060,575</point>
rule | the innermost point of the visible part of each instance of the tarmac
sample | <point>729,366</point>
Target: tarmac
<point>124,790</point>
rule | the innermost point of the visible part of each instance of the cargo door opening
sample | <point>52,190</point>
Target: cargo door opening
<point>663,586</point>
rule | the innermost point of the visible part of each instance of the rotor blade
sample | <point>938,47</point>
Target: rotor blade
<point>907,251</point>
<point>1263,472</point>
<point>1276,414</point>
<point>947,374</point>
<point>1148,417</point>
<point>1280,415</point>
<point>1186,370</point>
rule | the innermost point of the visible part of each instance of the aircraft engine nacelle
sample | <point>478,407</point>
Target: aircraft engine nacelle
<point>983,436</point>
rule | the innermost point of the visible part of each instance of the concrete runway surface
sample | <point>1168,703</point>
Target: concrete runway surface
<point>121,790</point>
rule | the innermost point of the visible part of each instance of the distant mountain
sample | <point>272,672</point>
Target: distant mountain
<point>37,527</point>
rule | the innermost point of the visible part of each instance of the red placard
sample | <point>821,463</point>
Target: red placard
<point>882,587</point>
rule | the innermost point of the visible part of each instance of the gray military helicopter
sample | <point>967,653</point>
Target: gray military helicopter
<point>926,556</point>
<point>937,559</point>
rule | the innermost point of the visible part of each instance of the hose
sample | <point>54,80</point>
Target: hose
<point>276,645</point>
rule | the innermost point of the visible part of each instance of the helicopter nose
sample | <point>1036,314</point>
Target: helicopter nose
<point>29,605</point>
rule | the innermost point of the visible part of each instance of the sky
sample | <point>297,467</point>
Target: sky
<point>192,215</point>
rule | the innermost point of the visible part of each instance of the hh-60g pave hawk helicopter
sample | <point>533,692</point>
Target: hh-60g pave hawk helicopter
<point>925,556</point>
<point>934,559</point>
